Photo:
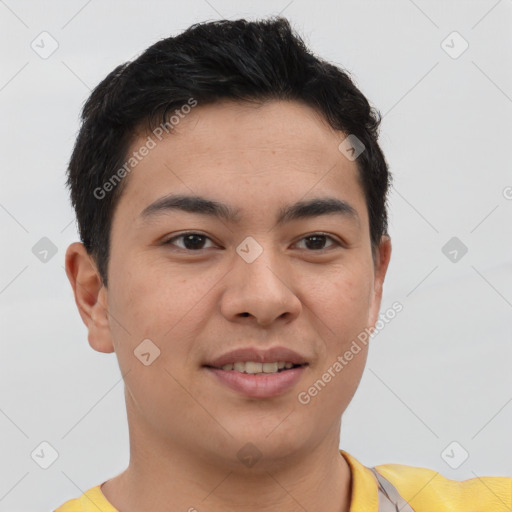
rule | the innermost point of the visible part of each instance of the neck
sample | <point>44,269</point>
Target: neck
<point>176,478</point>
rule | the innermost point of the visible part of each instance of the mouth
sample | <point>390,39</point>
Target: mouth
<point>257,368</point>
<point>258,380</point>
<point>258,372</point>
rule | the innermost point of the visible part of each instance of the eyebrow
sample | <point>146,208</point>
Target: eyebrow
<point>200,205</point>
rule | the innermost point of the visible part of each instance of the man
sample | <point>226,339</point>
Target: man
<point>231,200</point>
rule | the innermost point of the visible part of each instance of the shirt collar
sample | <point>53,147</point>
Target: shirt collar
<point>363,485</point>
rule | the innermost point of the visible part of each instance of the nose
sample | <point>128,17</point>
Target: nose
<point>262,290</point>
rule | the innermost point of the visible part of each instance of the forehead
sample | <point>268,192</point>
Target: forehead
<point>278,149</point>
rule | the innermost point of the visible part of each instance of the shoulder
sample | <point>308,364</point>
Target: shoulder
<point>425,488</point>
<point>92,500</point>
<point>69,506</point>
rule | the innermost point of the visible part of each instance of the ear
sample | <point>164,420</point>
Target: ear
<point>382,257</point>
<point>90,296</point>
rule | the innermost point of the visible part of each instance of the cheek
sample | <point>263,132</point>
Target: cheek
<point>151,299</point>
<point>343,305</point>
<point>342,301</point>
<point>166,307</point>
<point>333,383</point>
<point>144,306</point>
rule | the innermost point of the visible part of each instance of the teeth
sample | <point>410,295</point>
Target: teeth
<point>270,367</point>
<point>240,366</point>
<point>251,367</point>
<point>254,367</point>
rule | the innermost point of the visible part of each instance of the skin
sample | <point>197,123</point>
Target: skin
<point>185,427</point>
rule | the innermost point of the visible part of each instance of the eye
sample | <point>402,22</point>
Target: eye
<point>317,240</point>
<point>191,241</point>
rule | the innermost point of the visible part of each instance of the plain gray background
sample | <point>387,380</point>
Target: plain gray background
<point>438,373</point>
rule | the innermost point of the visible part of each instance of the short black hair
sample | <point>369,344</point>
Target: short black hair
<point>246,61</point>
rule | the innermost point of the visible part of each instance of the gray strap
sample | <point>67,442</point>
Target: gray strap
<point>389,498</point>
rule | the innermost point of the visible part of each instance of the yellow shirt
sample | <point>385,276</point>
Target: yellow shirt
<point>424,489</point>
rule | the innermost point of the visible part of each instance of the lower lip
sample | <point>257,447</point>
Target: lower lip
<point>259,386</point>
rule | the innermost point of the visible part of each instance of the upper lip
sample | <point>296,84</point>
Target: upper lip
<point>258,355</point>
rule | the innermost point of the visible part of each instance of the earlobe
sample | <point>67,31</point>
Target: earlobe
<point>90,296</point>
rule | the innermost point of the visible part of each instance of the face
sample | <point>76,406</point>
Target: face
<point>199,285</point>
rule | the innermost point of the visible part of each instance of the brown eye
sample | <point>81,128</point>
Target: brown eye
<point>316,241</point>
<point>191,241</point>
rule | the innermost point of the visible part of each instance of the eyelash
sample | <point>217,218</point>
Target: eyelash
<point>182,235</point>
